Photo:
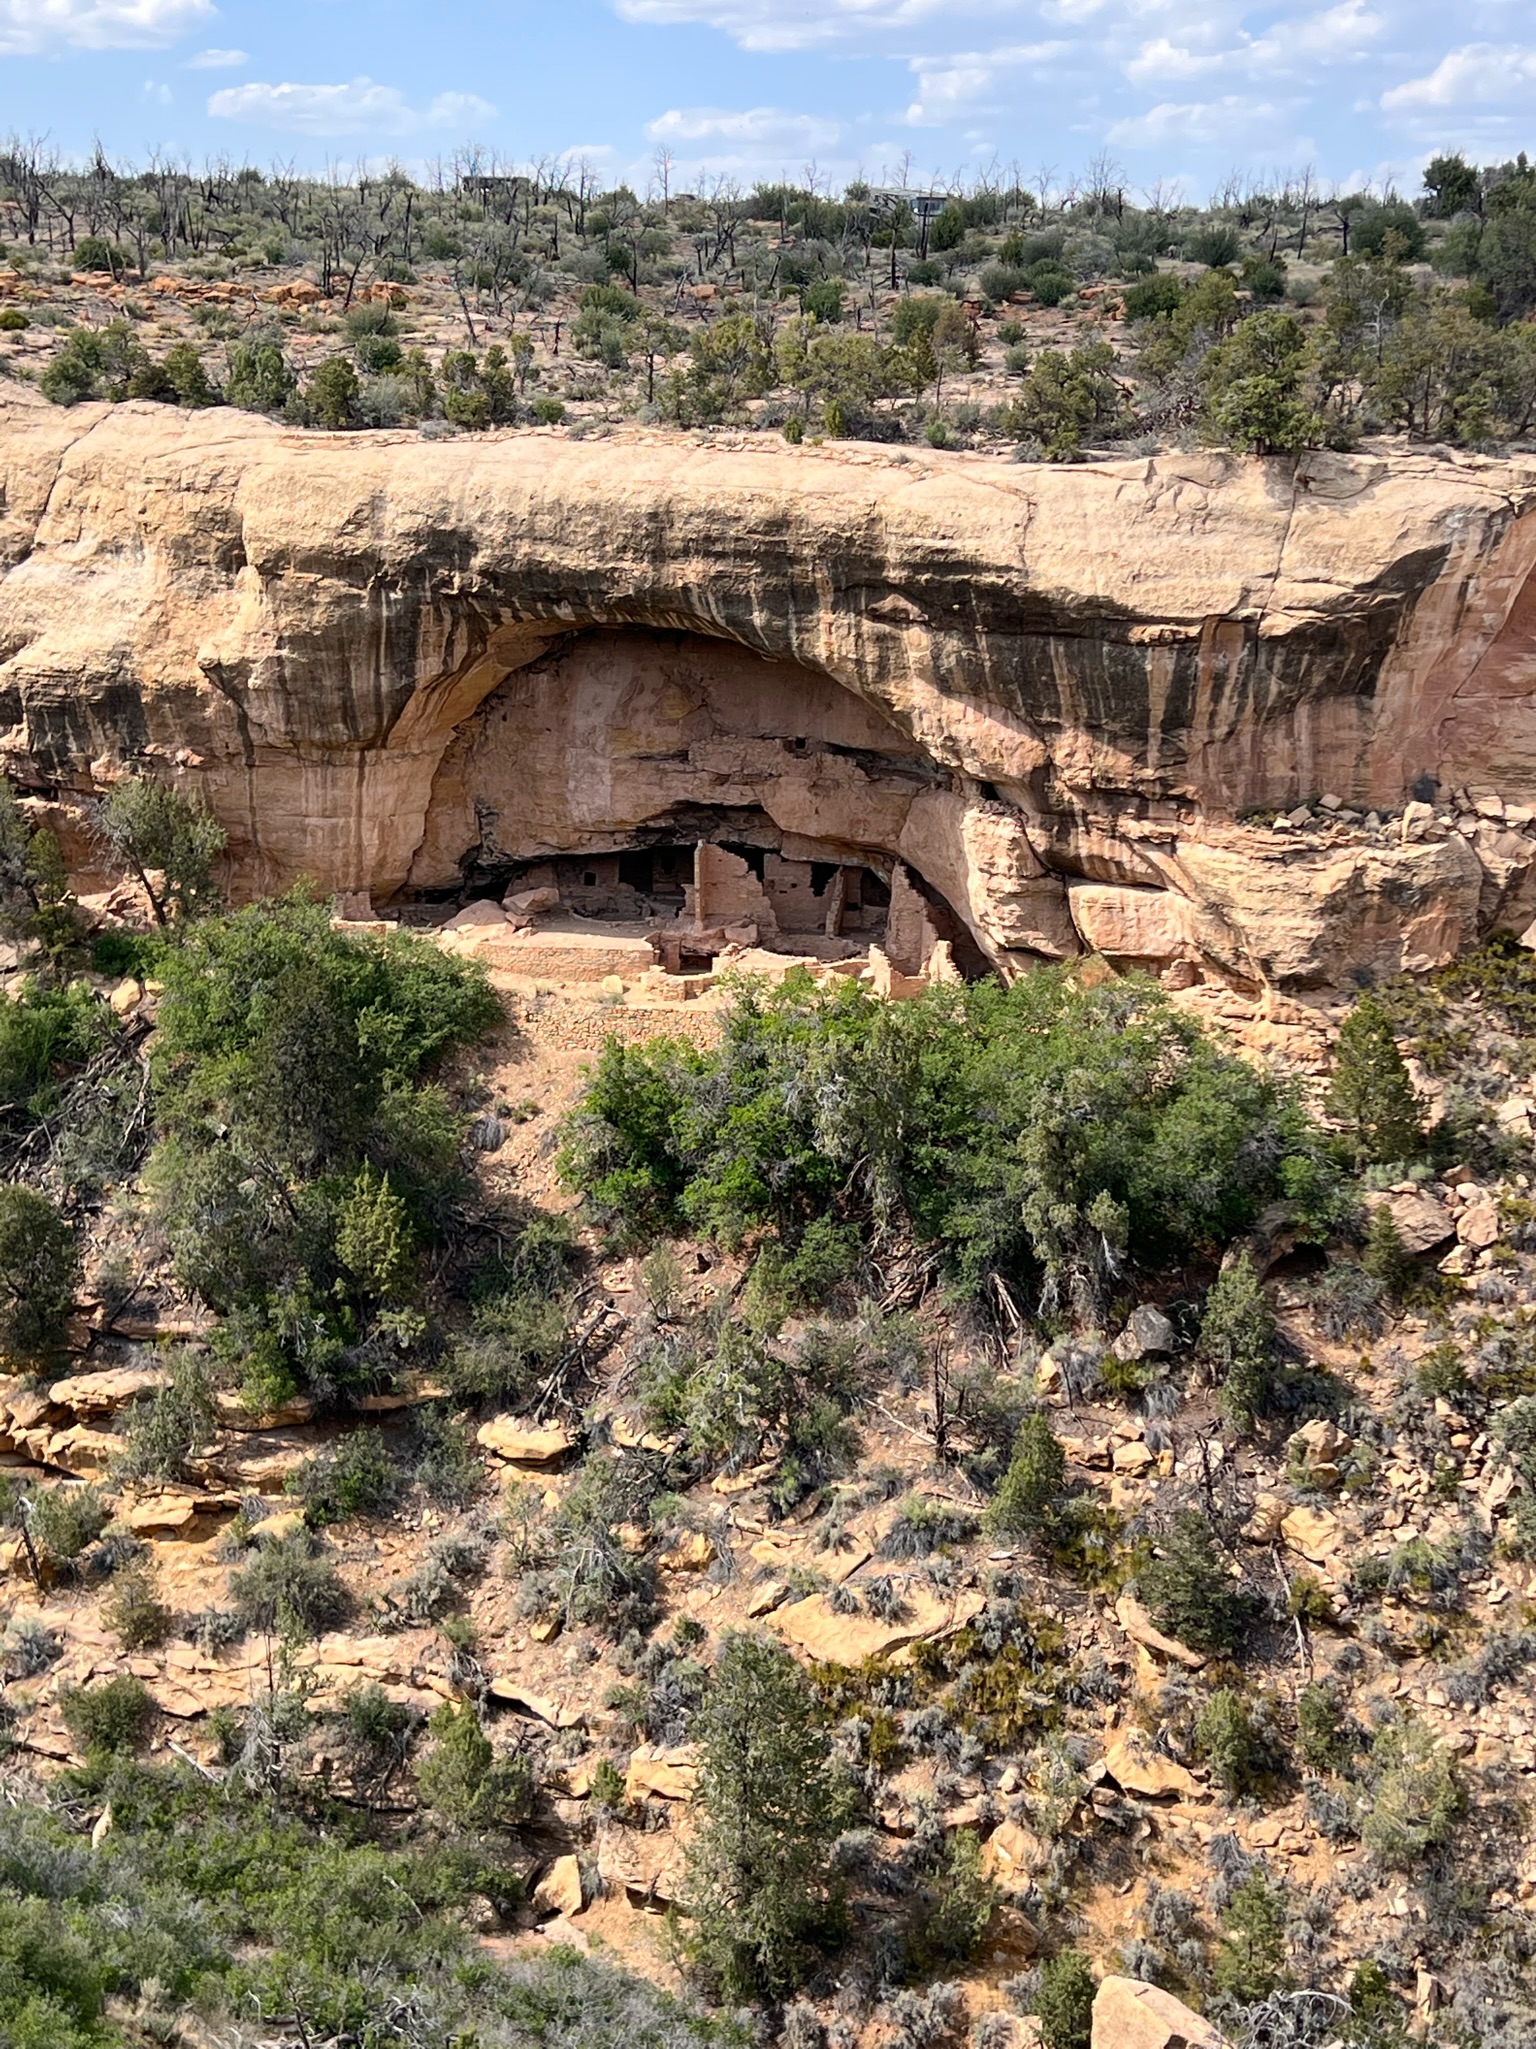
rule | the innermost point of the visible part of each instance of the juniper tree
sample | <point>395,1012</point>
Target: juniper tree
<point>1237,1341</point>
<point>1371,1097</point>
<point>1025,1503</point>
<point>762,1895</point>
<point>168,841</point>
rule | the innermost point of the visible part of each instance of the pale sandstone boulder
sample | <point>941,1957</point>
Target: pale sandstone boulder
<point>104,1393</point>
<point>1128,2014</point>
<point>1422,1222</point>
<point>1314,1533</point>
<point>1136,1767</point>
<point>559,1891</point>
<point>814,1627</point>
<point>661,1774</point>
<point>1140,1628</point>
<point>525,1444</point>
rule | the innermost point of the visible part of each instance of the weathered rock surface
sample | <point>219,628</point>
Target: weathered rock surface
<point>1051,692</point>
<point>1129,2014</point>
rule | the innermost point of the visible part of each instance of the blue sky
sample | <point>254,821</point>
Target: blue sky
<point>1182,91</point>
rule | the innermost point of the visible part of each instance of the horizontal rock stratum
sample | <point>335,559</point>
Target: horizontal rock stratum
<point>387,661</point>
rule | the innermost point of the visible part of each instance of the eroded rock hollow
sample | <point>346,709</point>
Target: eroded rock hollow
<point>1047,700</point>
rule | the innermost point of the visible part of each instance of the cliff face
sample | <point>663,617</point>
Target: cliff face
<point>1050,691</point>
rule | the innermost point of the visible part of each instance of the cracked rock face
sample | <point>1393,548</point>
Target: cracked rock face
<point>1052,693</point>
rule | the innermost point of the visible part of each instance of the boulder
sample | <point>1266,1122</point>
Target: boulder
<point>482,912</point>
<point>1478,1225</point>
<point>815,1627</point>
<point>1314,1533</point>
<point>1148,1331</point>
<point>543,1709</point>
<point>1013,1855</point>
<point>1128,2014</point>
<point>658,1774</point>
<point>104,1393</point>
<point>1422,1222</point>
<point>559,1891</point>
<point>1140,1628</point>
<point>1318,1450</point>
<point>1136,1767</point>
<point>525,1444</point>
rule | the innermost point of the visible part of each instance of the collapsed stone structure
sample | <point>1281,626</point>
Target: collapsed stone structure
<point>1035,708</point>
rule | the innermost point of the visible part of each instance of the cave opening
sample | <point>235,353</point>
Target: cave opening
<point>635,789</point>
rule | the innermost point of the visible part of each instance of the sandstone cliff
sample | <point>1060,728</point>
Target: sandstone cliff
<point>1052,692</point>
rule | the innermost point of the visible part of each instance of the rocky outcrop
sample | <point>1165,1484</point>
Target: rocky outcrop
<point>1051,692</point>
<point>1130,2014</point>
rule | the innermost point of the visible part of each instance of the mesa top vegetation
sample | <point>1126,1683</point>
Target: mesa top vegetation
<point>1056,319</point>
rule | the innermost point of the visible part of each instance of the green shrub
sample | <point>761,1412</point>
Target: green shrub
<point>464,1781</point>
<point>163,1432</point>
<point>94,252</point>
<point>512,1342</point>
<point>108,1717</point>
<point>1250,1962</point>
<point>62,1521</point>
<point>1237,1342</point>
<point>1371,1096</point>
<point>959,1902</point>
<point>1153,296</point>
<point>359,1475</point>
<point>53,1980</point>
<point>167,841</point>
<point>1228,1741</point>
<point>376,1731</point>
<point>39,1265</point>
<point>1026,1502</point>
<point>1044,1132</point>
<point>332,393</point>
<point>93,363</point>
<point>47,1035</point>
<point>134,1611</point>
<point>761,1893</point>
<point>38,911</point>
<point>1190,1592</point>
<point>1321,1728</point>
<point>1415,1796</point>
<point>289,1585</point>
<point>1063,2002</point>
<point>374,1239</point>
<point>287,1062</point>
<point>260,380</point>
<point>591,1578</point>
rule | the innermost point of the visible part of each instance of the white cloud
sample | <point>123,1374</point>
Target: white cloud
<point>217,60</point>
<point>1478,74</point>
<point>360,107</point>
<point>1232,119</point>
<point>790,25</point>
<point>1337,35</point>
<point>757,131</point>
<point>155,93</point>
<point>947,86</point>
<point>30,27</point>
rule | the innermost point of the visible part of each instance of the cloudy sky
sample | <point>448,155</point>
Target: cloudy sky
<point>1178,91</point>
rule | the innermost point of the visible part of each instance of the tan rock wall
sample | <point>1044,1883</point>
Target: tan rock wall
<point>1013,677</point>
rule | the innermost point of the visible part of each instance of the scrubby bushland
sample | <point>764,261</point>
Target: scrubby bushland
<point>218,1911</point>
<point>1048,1133</point>
<point>302,1160</point>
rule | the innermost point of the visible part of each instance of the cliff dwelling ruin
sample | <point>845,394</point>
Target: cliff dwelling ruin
<point>656,804</point>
